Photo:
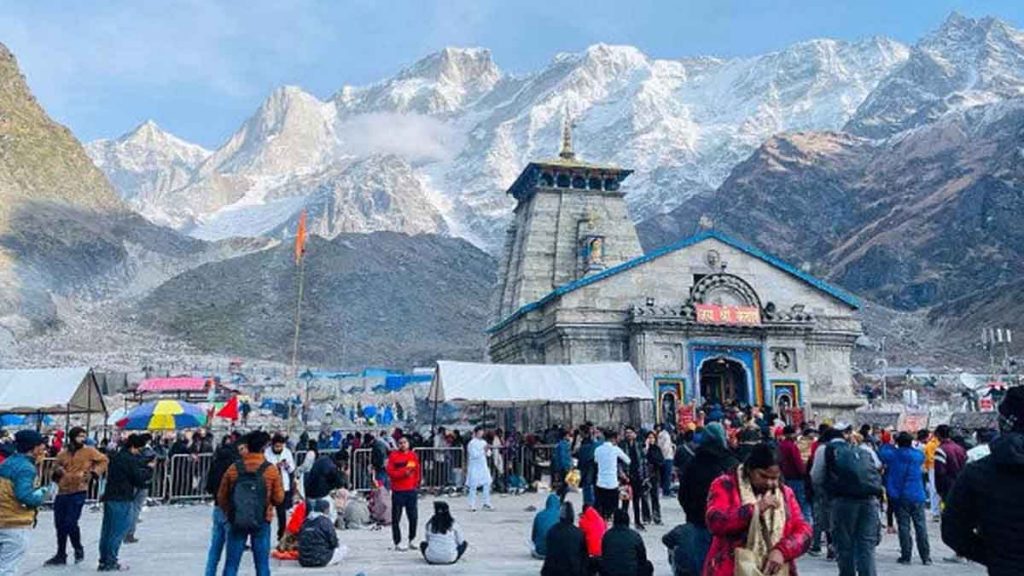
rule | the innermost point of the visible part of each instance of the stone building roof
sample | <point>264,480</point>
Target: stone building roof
<point>834,291</point>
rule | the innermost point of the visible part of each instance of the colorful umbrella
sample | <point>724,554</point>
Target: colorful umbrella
<point>164,415</point>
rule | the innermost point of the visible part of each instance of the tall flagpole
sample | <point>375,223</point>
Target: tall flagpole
<point>300,257</point>
<point>298,319</point>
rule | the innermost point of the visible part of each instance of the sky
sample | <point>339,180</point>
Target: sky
<point>199,68</point>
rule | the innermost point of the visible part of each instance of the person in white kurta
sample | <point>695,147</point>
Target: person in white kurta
<point>479,474</point>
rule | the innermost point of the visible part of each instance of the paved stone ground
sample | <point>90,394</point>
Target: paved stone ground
<point>174,540</point>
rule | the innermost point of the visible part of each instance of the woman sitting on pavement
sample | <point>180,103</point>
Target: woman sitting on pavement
<point>754,492</point>
<point>444,543</point>
<point>566,546</point>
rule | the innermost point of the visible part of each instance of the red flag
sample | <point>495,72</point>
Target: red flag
<point>230,409</point>
<point>300,238</point>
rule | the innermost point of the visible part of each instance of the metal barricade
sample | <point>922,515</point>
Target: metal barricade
<point>186,478</point>
<point>441,467</point>
<point>360,471</point>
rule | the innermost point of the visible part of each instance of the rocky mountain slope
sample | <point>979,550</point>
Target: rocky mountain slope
<point>46,182</point>
<point>84,280</point>
<point>381,299</point>
<point>964,63</point>
<point>466,129</point>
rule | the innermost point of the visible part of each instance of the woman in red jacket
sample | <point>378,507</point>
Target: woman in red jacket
<point>754,492</point>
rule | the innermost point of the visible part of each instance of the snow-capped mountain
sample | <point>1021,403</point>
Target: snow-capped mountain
<point>147,163</point>
<point>466,129</point>
<point>964,63</point>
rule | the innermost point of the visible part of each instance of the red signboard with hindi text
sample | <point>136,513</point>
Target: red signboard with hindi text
<point>732,315</point>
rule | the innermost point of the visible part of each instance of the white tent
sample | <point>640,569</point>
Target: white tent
<point>522,384</point>
<point>50,390</point>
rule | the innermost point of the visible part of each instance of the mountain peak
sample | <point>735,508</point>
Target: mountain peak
<point>960,29</point>
<point>455,65</point>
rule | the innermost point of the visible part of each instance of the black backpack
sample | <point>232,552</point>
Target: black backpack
<point>850,473</point>
<point>249,499</point>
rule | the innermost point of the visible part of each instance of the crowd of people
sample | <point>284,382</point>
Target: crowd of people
<point>756,494</point>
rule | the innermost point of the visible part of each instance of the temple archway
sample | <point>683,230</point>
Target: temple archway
<point>723,380</point>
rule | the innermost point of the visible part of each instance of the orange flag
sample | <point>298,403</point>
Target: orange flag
<point>300,238</point>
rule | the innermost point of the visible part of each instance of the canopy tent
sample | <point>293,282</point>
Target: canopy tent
<point>50,390</point>
<point>178,384</point>
<point>502,385</point>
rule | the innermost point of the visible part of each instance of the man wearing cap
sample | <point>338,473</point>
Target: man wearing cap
<point>984,513</point>
<point>19,498</point>
<point>77,464</point>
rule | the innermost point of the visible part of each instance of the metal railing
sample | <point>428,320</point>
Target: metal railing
<point>182,477</point>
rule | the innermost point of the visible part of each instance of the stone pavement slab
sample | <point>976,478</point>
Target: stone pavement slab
<point>174,540</point>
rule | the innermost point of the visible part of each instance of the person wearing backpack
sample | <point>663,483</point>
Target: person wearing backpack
<point>854,484</point>
<point>248,494</point>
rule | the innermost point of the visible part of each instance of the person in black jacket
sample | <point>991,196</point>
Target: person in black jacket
<point>318,542</point>
<point>146,456</point>
<point>227,454</point>
<point>324,477</point>
<point>711,460</point>
<point>586,464</point>
<point>639,479</point>
<point>124,476</point>
<point>984,513</point>
<point>655,464</point>
<point>622,550</point>
<point>566,546</point>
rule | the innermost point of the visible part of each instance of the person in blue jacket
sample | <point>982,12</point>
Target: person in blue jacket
<point>905,488</point>
<point>542,523</point>
<point>19,498</point>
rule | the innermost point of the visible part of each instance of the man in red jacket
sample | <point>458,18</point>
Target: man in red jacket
<point>403,469</point>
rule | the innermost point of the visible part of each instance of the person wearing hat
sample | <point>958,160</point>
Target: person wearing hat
<point>19,498</point>
<point>984,513</point>
<point>77,465</point>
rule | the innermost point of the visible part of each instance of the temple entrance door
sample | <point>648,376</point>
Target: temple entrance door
<point>723,381</point>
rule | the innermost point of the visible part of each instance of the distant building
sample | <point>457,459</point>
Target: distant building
<point>707,317</point>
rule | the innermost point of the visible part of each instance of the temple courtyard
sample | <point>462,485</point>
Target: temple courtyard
<point>174,540</point>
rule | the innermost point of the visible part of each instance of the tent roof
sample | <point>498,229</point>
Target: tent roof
<point>506,384</point>
<point>176,384</point>
<point>52,390</point>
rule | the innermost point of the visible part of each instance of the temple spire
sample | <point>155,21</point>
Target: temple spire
<point>567,152</point>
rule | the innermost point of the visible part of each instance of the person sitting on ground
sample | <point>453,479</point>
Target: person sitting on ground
<point>542,523</point>
<point>353,513</point>
<point>444,543</point>
<point>318,542</point>
<point>622,550</point>
<point>593,527</point>
<point>566,546</point>
<point>754,491</point>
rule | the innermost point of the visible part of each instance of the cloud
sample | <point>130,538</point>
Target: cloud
<point>415,137</point>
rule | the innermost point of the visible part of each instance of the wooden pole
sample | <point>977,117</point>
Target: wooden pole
<point>298,317</point>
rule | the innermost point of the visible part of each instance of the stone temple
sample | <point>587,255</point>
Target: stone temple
<point>707,317</point>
